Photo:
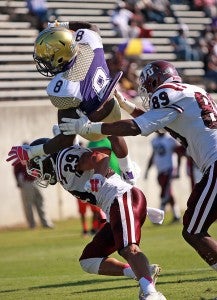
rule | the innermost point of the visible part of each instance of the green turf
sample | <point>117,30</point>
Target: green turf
<point>43,264</point>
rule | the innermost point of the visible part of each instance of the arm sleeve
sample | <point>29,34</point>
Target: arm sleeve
<point>154,120</point>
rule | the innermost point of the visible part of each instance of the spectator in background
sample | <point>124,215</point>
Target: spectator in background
<point>39,12</point>
<point>211,68</point>
<point>120,18</point>
<point>128,21</point>
<point>137,29</point>
<point>154,10</point>
<point>31,197</point>
<point>128,83</point>
<point>208,6</point>
<point>182,47</point>
<point>163,148</point>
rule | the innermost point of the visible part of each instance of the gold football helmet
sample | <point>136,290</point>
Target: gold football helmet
<point>54,48</point>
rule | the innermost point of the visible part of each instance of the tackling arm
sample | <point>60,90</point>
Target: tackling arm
<point>121,128</point>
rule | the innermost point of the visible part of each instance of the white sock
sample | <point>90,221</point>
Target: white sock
<point>128,272</point>
<point>147,286</point>
<point>125,163</point>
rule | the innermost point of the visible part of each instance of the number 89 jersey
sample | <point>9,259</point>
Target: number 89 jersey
<point>189,114</point>
<point>85,78</point>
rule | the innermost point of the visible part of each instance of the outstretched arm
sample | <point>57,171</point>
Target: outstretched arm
<point>121,128</point>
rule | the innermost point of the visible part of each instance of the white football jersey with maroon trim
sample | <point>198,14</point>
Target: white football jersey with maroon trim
<point>189,114</point>
<point>74,182</point>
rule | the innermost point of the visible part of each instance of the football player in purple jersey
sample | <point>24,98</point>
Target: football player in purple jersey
<point>189,114</point>
<point>72,53</point>
<point>85,173</point>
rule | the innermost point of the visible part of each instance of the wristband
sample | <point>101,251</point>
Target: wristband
<point>37,150</point>
<point>95,127</point>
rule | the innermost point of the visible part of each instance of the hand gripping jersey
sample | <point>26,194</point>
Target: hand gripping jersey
<point>74,182</point>
<point>189,114</point>
<point>85,79</point>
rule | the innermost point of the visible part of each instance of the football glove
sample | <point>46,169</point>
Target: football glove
<point>24,153</point>
<point>94,184</point>
<point>81,126</point>
<point>18,154</point>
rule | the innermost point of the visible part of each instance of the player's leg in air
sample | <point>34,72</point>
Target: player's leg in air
<point>110,112</point>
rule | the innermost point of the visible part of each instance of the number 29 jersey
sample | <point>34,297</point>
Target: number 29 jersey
<point>74,181</point>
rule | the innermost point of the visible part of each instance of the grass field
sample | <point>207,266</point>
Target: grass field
<point>43,264</point>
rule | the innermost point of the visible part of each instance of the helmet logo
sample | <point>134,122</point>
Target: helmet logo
<point>148,71</point>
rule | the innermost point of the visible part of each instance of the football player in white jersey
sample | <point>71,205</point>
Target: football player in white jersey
<point>162,156</point>
<point>85,173</point>
<point>189,114</point>
<point>72,53</point>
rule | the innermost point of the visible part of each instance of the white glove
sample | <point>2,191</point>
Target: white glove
<point>74,126</point>
<point>94,184</point>
<point>81,126</point>
<point>58,24</point>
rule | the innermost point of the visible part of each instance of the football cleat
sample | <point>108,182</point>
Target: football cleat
<point>151,296</point>
<point>131,175</point>
<point>155,271</point>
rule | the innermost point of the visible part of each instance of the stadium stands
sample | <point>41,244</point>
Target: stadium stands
<point>21,81</point>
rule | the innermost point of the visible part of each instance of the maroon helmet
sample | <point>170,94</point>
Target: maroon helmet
<point>153,75</point>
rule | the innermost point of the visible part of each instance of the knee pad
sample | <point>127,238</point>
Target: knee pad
<point>91,265</point>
